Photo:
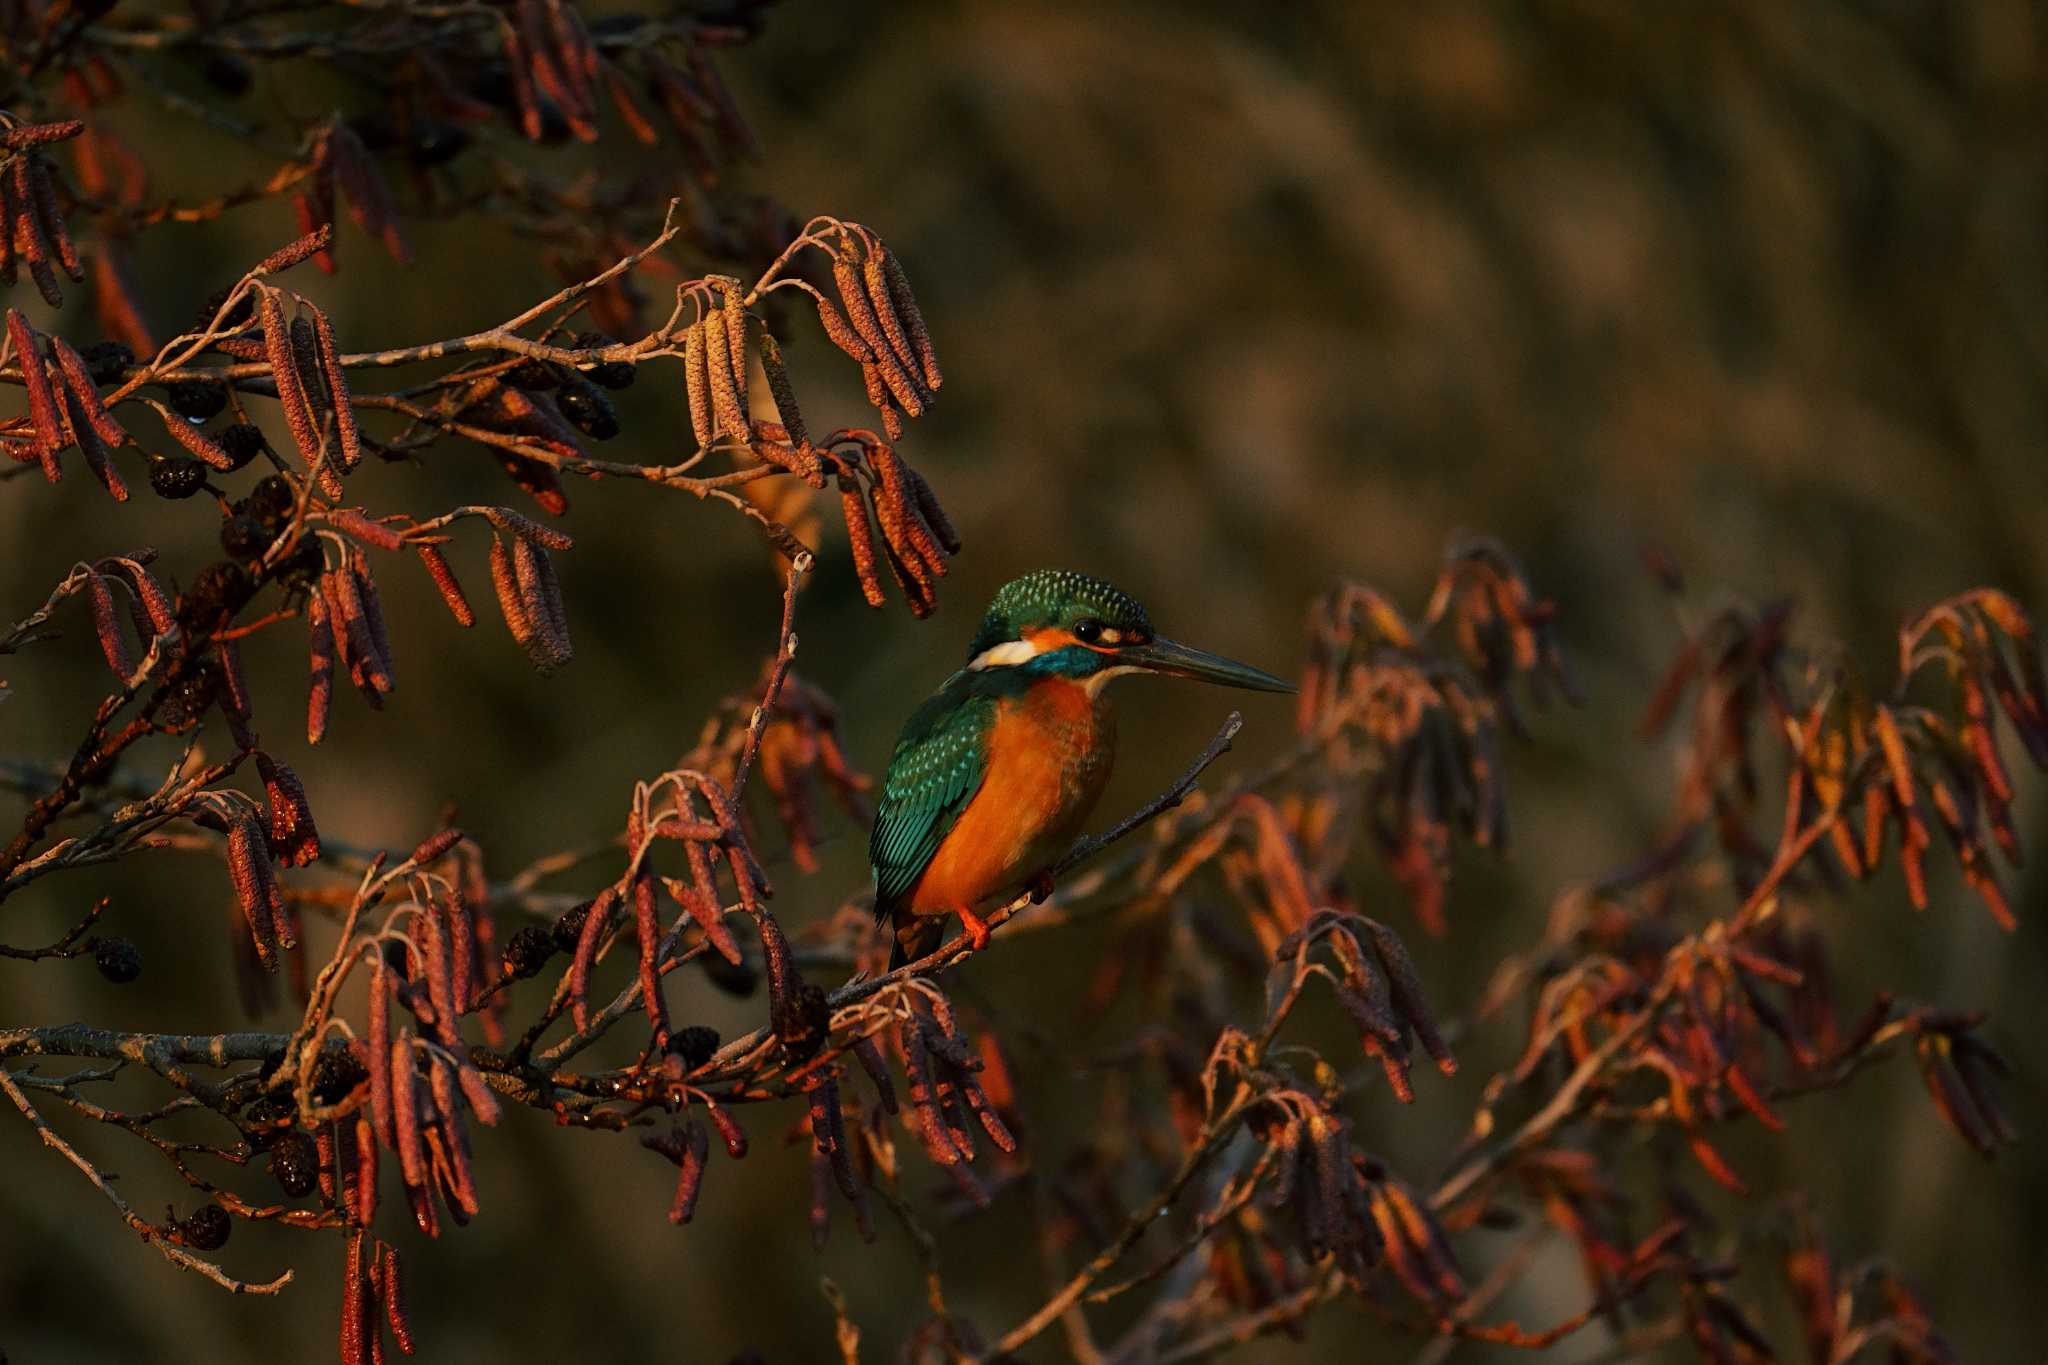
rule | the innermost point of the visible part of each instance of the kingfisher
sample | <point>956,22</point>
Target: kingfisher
<point>997,771</point>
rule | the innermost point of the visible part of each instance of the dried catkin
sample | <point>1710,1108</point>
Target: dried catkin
<point>697,381</point>
<point>510,604</point>
<point>42,403</point>
<point>860,538</point>
<point>196,442</point>
<point>913,319</point>
<point>320,657</point>
<point>113,644</point>
<point>726,403</point>
<point>79,380</point>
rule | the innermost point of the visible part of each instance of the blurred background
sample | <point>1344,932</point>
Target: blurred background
<point>1234,301</point>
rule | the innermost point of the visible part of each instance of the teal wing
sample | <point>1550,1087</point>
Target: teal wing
<point>935,771</point>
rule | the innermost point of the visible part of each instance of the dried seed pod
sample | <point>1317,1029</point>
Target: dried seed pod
<point>940,1143</point>
<point>365,1174</point>
<point>733,311</point>
<point>697,382</point>
<point>148,592</point>
<point>784,393</point>
<point>431,938</point>
<point>705,912</point>
<point>395,1312</point>
<point>370,532</point>
<point>696,1146</point>
<point>843,336</point>
<point>295,252</point>
<point>630,112</point>
<point>249,869</point>
<point>526,528</point>
<point>927,504</point>
<point>405,1117</point>
<point>31,223</point>
<point>358,569</point>
<point>870,1058</point>
<point>461,953</point>
<point>299,415</point>
<point>99,459</point>
<point>353,638</point>
<point>801,461</point>
<point>913,319</point>
<point>43,196</point>
<point>511,604</point>
<point>369,199</point>
<point>113,644</point>
<point>462,1175</point>
<point>902,388</point>
<point>902,526</point>
<point>1406,985</point>
<point>729,1131</point>
<point>541,595</point>
<point>647,925</point>
<point>991,1122</point>
<point>196,442</point>
<point>21,137</point>
<point>860,538</point>
<point>533,476</point>
<point>595,922</point>
<point>321,660</point>
<point>50,434</point>
<point>357,1322</point>
<point>727,404</point>
<point>875,282</point>
<point>78,379</point>
<point>293,838</point>
<point>379,1047</point>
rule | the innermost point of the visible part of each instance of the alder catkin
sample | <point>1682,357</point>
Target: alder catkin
<point>697,382</point>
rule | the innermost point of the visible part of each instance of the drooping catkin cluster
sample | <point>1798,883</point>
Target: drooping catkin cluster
<point>338,160</point>
<point>1880,763</point>
<point>421,1081</point>
<point>32,230</point>
<point>64,409</point>
<point>312,387</point>
<point>1332,1202</point>
<point>560,71</point>
<point>252,868</point>
<point>1842,1308</point>
<point>528,592</point>
<point>1432,714</point>
<point>689,809</point>
<point>1377,984</point>
<point>372,1300</point>
<point>878,492</point>
<point>954,1087</point>
<point>880,328</point>
<point>799,751</point>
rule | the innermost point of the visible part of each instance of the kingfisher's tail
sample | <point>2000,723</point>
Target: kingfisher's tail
<point>915,938</point>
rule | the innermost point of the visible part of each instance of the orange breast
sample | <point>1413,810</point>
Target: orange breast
<point>1049,758</point>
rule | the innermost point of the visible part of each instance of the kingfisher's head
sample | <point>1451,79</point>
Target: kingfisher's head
<point>1057,623</point>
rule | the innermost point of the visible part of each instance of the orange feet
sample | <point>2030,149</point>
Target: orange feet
<point>977,930</point>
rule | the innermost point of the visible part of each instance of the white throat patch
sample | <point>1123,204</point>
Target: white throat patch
<point>1007,653</point>
<point>1094,682</point>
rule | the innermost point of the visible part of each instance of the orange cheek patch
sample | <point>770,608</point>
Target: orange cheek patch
<point>1048,638</point>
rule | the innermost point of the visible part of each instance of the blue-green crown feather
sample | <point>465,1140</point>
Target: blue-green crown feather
<point>1056,597</point>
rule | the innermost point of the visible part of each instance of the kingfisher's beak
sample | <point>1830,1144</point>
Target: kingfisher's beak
<point>1185,661</point>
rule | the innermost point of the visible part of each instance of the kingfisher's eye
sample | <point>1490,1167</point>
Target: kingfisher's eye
<point>1089,632</point>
